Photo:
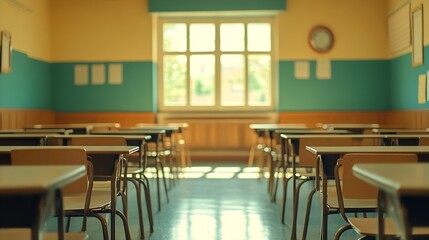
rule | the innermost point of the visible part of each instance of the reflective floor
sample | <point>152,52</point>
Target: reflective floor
<point>220,201</point>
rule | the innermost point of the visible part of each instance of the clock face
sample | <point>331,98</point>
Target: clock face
<point>321,39</point>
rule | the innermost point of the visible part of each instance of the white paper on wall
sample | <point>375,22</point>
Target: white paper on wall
<point>98,74</point>
<point>115,74</point>
<point>81,74</point>
<point>323,69</point>
<point>302,70</point>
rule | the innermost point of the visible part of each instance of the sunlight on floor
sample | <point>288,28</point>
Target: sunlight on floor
<point>219,175</point>
<point>227,169</point>
<point>214,172</point>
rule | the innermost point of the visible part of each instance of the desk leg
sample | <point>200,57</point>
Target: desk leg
<point>113,205</point>
<point>324,224</point>
<point>380,213</point>
<point>295,203</point>
<point>157,175</point>
<point>271,165</point>
<point>60,213</point>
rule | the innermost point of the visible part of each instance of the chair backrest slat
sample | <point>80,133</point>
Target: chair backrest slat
<point>307,159</point>
<point>75,156</point>
<point>354,188</point>
<point>98,141</point>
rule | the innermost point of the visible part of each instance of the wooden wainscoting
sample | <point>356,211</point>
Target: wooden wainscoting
<point>315,118</point>
<point>218,136</point>
<point>408,118</point>
<point>126,119</point>
<point>20,118</point>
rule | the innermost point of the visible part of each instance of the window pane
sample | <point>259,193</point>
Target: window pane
<point>232,80</point>
<point>259,37</point>
<point>259,74</point>
<point>202,37</point>
<point>232,37</point>
<point>202,80</point>
<point>174,36</point>
<point>174,80</point>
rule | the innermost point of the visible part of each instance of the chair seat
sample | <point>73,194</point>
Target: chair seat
<point>99,199</point>
<point>25,233</point>
<point>135,170</point>
<point>369,227</point>
<point>350,203</point>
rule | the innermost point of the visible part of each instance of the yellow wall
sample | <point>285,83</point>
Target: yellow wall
<point>101,30</point>
<point>359,27</point>
<point>28,21</point>
<point>395,4</point>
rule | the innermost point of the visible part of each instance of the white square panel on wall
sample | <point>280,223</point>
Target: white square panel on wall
<point>98,74</point>
<point>115,74</point>
<point>302,70</point>
<point>81,74</point>
<point>323,69</point>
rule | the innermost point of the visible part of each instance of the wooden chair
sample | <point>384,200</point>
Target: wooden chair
<point>77,196</point>
<point>424,141</point>
<point>354,195</point>
<point>308,169</point>
<point>134,169</point>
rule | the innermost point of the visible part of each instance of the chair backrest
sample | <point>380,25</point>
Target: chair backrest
<point>308,159</point>
<point>353,187</point>
<point>424,141</point>
<point>98,141</point>
<point>100,169</point>
<point>76,156</point>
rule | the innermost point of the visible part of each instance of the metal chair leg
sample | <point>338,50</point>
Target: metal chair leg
<point>307,213</point>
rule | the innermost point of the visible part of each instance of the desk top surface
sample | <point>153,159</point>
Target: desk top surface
<point>333,135</point>
<point>21,180</point>
<point>130,132</point>
<point>150,128</point>
<point>367,149</point>
<point>400,131</point>
<point>311,131</point>
<point>128,137</point>
<point>27,135</point>
<point>177,124</point>
<point>350,125</point>
<point>36,130</point>
<point>77,125</point>
<point>275,126</point>
<point>89,149</point>
<point>403,179</point>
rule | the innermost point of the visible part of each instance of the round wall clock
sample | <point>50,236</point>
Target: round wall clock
<point>321,39</point>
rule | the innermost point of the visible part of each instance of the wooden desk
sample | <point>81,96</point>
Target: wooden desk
<point>353,127</point>
<point>268,132</point>
<point>322,152</point>
<point>403,187</point>
<point>103,170</point>
<point>78,128</point>
<point>176,138</point>
<point>28,195</point>
<point>24,139</point>
<point>292,140</point>
<point>401,131</point>
<point>157,136</point>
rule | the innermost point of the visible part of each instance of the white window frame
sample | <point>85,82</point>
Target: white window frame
<point>217,21</point>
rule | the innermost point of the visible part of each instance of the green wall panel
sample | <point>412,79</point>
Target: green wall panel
<point>404,82</point>
<point>354,85</point>
<point>217,5</point>
<point>135,94</point>
<point>27,86</point>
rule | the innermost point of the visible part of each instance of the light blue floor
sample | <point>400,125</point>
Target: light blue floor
<point>202,208</point>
